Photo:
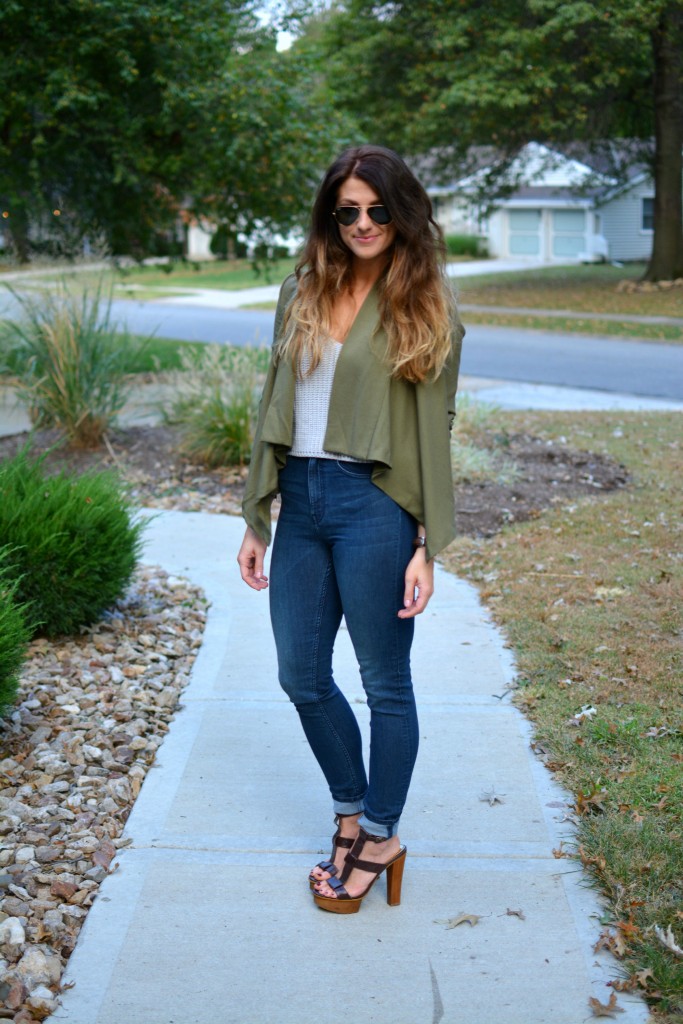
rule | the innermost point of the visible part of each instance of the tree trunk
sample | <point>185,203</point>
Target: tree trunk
<point>17,228</point>
<point>666,262</point>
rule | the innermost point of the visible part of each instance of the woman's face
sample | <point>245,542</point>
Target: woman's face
<point>365,239</point>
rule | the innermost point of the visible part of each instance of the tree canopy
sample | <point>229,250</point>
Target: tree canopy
<point>116,113</point>
<point>443,76</point>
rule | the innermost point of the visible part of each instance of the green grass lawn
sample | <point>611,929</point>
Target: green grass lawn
<point>144,355</point>
<point>227,275</point>
<point>588,325</point>
<point>158,355</point>
<point>591,597</point>
<point>583,289</point>
<point>174,278</point>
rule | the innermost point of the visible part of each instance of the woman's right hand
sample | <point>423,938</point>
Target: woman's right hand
<point>250,560</point>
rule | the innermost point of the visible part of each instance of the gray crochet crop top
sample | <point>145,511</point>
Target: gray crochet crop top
<point>312,404</point>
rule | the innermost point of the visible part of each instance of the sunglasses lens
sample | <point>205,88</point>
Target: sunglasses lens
<point>347,215</point>
<point>379,214</point>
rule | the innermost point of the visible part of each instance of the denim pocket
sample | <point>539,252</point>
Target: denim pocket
<point>357,469</point>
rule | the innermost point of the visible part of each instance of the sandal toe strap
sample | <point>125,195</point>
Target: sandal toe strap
<point>340,892</point>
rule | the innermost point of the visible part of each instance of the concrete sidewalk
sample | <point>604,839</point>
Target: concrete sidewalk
<point>142,409</point>
<point>209,920</point>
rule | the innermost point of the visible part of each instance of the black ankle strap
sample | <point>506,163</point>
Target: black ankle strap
<point>368,838</point>
<point>353,859</point>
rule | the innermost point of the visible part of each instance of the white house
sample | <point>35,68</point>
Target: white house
<point>561,210</point>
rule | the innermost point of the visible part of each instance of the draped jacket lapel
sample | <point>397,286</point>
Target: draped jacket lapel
<point>357,423</point>
<point>402,427</point>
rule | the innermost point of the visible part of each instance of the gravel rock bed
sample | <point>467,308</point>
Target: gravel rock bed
<point>90,716</point>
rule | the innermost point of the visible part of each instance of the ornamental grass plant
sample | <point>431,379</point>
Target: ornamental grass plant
<point>14,632</point>
<point>216,402</point>
<point>69,360</point>
<point>74,540</point>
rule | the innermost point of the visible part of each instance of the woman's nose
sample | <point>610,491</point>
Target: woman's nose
<point>364,220</point>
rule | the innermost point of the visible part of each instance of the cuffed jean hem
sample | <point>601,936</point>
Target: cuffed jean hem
<point>375,829</point>
<point>344,807</point>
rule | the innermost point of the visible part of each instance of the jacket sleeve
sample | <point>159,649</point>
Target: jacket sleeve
<point>262,482</point>
<point>435,415</point>
<point>452,367</point>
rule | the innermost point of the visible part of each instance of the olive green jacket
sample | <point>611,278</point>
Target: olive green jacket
<point>403,428</point>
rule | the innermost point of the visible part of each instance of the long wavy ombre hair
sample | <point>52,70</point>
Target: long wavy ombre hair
<point>415,300</point>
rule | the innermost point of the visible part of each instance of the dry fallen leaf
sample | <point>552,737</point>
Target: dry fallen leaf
<point>453,922</point>
<point>516,913</point>
<point>615,943</point>
<point>586,802</point>
<point>605,1009</point>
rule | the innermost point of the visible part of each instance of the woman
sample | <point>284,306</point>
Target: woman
<point>353,433</point>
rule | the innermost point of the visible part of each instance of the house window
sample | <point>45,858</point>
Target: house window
<point>648,214</point>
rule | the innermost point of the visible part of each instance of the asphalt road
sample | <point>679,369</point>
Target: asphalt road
<point>501,353</point>
<point>574,360</point>
<point>196,323</point>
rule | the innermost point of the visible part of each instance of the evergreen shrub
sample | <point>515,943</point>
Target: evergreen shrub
<point>74,542</point>
<point>14,633</point>
<point>467,245</point>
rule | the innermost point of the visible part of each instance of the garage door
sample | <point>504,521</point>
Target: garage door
<point>524,237</point>
<point>569,233</point>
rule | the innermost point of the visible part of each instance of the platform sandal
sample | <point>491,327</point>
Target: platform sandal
<point>341,902</point>
<point>338,840</point>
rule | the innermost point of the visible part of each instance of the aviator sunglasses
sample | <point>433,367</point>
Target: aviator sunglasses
<point>348,215</point>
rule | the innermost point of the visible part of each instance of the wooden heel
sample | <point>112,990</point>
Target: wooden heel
<point>395,879</point>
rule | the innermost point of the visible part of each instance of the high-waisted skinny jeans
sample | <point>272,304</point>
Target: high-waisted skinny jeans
<point>341,549</point>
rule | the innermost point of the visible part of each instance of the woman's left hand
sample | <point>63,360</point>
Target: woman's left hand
<point>419,585</point>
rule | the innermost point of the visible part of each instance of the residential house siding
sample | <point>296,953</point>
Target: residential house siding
<point>622,223</point>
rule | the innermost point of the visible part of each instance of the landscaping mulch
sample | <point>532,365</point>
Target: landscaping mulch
<point>150,459</point>
<point>91,712</point>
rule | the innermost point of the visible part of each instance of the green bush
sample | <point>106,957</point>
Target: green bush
<point>14,633</point>
<point>74,542</point>
<point>70,361</point>
<point>216,402</point>
<point>466,245</point>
